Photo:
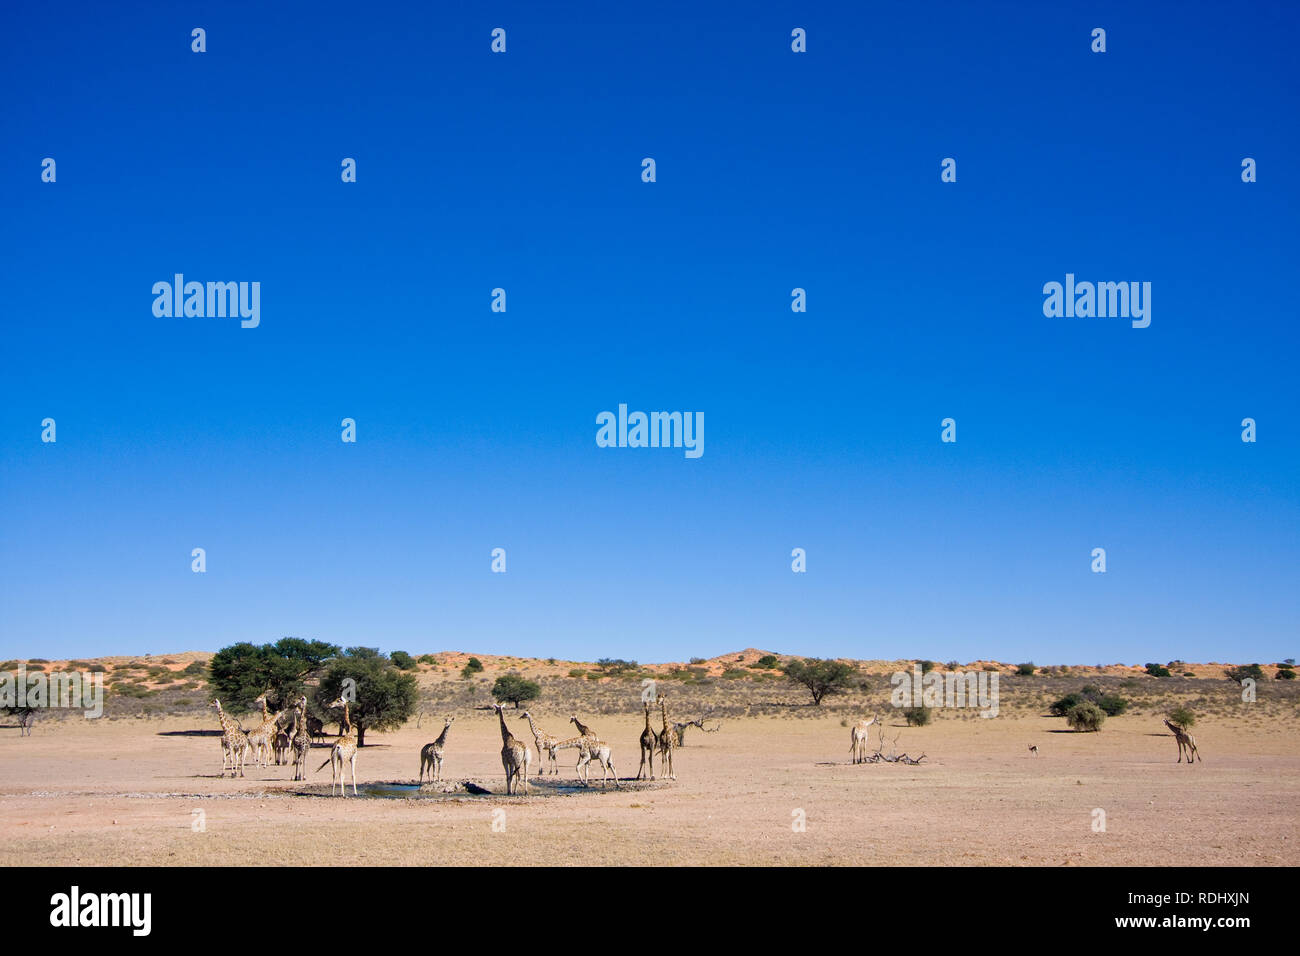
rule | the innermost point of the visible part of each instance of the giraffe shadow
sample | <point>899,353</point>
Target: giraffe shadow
<point>189,733</point>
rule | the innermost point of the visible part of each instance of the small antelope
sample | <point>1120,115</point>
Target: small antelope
<point>1033,750</point>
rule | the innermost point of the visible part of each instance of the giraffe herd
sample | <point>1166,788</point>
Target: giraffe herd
<point>275,741</point>
<point>271,741</point>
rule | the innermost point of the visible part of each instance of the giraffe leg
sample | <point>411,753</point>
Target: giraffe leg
<point>354,774</point>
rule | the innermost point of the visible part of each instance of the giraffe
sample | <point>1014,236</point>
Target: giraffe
<point>345,751</point>
<point>545,742</point>
<point>515,757</point>
<point>284,737</point>
<point>589,748</point>
<point>858,738</point>
<point>316,728</point>
<point>582,728</point>
<point>1185,742</point>
<point>234,743</point>
<point>431,755</point>
<point>667,742</point>
<point>301,739</point>
<point>649,743</point>
<point>263,737</point>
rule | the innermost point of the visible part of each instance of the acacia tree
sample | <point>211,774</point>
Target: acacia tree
<point>820,677</point>
<point>381,697</point>
<point>514,688</point>
<point>241,672</point>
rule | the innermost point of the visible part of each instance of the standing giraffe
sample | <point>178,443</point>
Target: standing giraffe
<point>648,744</point>
<point>515,757</point>
<point>1185,742</point>
<point>582,728</point>
<point>345,751</point>
<point>234,743</point>
<point>858,738</point>
<point>590,748</point>
<point>667,742</point>
<point>301,739</point>
<point>545,742</point>
<point>431,755</point>
<point>262,737</point>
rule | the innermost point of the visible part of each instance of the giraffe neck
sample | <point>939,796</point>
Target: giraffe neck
<point>442,737</point>
<point>347,721</point>
<point>505,731</point>
<point>647,717</point>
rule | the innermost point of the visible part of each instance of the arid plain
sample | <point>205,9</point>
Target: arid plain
<point>146,788</point>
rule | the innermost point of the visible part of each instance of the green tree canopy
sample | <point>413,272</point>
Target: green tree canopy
<point>241,672</point>
<point>513,688</point>
<point>385,697</point>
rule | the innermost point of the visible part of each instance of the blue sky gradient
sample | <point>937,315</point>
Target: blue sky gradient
<point>477,429</point>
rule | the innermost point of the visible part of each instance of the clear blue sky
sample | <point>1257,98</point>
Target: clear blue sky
<point>477,430</point>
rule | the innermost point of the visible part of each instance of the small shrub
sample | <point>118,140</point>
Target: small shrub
<point>1086,717</point>
<point>1239,674</point>
<point>1157,670</point>
<point>953,665</point>
<point>577,672</point>
<point>697,660</point>
<point>766,662</point>
<point>927,666</point>
<point>1025,670</point>
<point>403,661</point>
<point>474,665</point>
<point>38,660</point>
<point>1182,716</point>
<point>1285,673</point>
<point>917,716</point>
<point>1112,704</point>
<point>734,673</point>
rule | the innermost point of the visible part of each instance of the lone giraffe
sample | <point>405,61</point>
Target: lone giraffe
<point>515,757</point>
<point>234,743</point>
<point>667,742</point>
<point>858,739</point>
<point>545,742</point>
<point>582,728</point>
<point>1186,742</point>
<point>345,751</point>
<point>301,740</point>
<point>649,742</point>
<point>431,755</point>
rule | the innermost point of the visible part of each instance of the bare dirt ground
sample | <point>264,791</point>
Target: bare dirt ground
<point>125,791</point>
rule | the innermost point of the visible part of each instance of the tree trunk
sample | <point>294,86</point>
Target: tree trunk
<point>361,736</point>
